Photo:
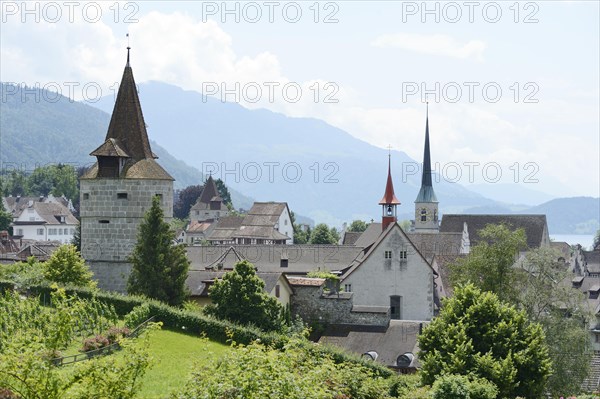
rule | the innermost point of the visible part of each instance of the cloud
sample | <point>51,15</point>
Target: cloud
<point>432,44</point>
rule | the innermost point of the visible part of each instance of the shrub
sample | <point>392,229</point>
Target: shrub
<point>454,386</point>
<point>137,316</point>
<point>94,343</point>
<point>115,334</point>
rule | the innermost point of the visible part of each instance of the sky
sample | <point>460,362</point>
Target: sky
<point>513,88</point>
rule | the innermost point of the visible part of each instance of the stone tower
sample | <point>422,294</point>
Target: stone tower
<point>118,190</point>
<point>389,202</point>
<point>426,204</point>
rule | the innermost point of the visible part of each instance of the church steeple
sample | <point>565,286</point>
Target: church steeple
<point>389,202</point>
<point>426,204</point>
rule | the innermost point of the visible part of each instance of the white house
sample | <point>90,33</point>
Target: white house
<point>45,221</point>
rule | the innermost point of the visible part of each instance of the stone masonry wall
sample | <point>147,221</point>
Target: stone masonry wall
<point>109,224</point>
<point>313,305</point>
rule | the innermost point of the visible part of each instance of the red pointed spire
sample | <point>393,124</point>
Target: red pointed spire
<point>389,198</point>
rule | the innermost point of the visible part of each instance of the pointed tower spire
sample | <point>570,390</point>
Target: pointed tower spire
<point>127,126</point>
<point>389,202</point>
<point>426,178</point>
<point>426,204</point>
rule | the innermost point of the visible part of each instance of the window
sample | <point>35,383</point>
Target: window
<point>285,222</point>
<point>19,232</point>
<point>283,263</point>
<point>71,231</point>
<point>348,287</point>
<point>388,254</point>
<point>104,221</point>
<point>86,196</point>
<point>121,195</point>
<point>40,232</point>
<point>423,215</point>
<point>403,254</point>
<point>51,232</point>
<point>277,289</point>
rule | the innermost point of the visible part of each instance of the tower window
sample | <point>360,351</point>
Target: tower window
<point>86,196</point>
<point>423,215</point>
<point>104,221</point>
<point>390,211</point>
<point>121,195</point>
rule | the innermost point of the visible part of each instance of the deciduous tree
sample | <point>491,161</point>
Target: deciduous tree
<point>240,297</point>
<point>66,266</point>
<point>477,334</point>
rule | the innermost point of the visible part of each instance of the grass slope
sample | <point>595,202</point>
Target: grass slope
<point>174,356</point>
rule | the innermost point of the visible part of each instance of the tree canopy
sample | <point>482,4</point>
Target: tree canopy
<point>240,297</point>
<point>358,226</point>
<point>186,198</point>
<point>160,268</point>
<point>477,334</point>
<point>489,265</point>
<point>322,234</point>
<point>66,266</point>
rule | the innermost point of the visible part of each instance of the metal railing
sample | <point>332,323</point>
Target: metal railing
<point>106,350</point>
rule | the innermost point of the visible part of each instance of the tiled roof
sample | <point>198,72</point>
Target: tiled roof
<point>398,338</point>
<point>267,258</point>
<point>51,214</point>
<point>142,169</point>
<point>209,191</point>
<point>430,244</point>
<point>127,124</point>
<point>369,236</point>
<point>259,232</point>
<point>350,237</point>
<point>306,281</point>
<point>110,148</point>
<point>267,209</point>
<point>198,281</point>
<point>535,226</point>
<point>592,260</point>
<point>198,227</point>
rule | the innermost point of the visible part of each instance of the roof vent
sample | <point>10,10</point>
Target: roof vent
<point>370,355</point>
<point>405,359</point>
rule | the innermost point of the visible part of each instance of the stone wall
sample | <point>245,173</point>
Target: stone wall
<point>313,305</point>
<point>111,276</point>
<point>111,211</point>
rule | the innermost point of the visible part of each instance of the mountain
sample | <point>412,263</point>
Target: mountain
<point>576,215</point>
<point>35,131</point>
<point>511,193</point>
<point>192,133</point>
<point>320,170</point>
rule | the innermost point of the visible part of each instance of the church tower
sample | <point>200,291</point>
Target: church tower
<point>426,204</point>
<point>118,190</point>
<point>389,202</point>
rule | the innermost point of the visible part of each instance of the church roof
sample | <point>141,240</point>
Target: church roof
<point>535,226</point>
<point>389,197</point>
<point>143,169</point>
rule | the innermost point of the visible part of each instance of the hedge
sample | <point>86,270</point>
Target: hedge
<point>193,323</point>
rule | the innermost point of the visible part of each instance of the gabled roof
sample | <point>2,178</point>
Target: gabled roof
<point>350,237</point>
<point>267,209</point>
<point>369,236</point>
<point>110,148</point>
<point>535,226</point>
<point>259,232</point>
<point>398,338</point>
<point>437,244</point>
<point>392,226</point>
<point>198,281</point>
<point>51,214</point>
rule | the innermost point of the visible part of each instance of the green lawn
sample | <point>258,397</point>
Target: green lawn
<point>174,356</point>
